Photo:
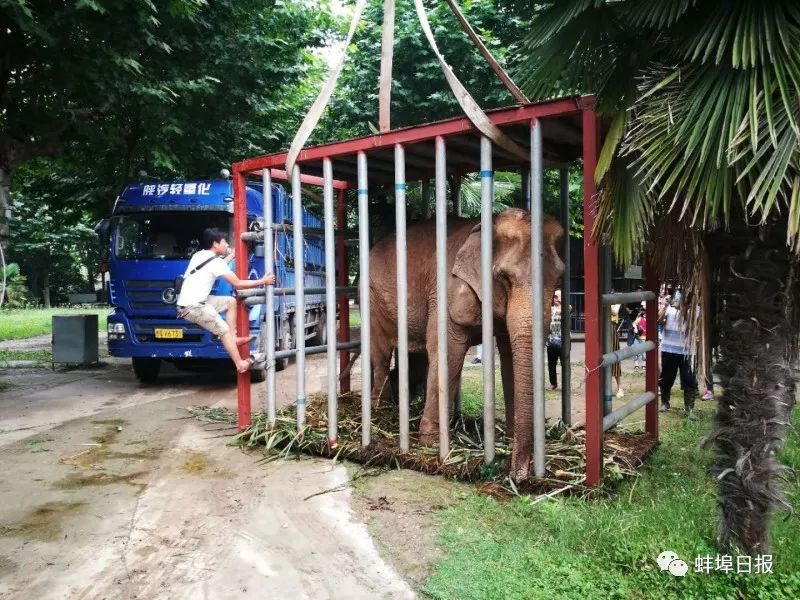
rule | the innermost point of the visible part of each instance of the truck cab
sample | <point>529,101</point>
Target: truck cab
<point>153,231</point>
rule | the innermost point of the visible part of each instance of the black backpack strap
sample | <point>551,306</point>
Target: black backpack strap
<point>201,265</point>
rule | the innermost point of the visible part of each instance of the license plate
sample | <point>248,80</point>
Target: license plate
<point>169,334</point>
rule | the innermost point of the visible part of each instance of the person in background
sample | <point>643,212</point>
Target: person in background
<point>616,368</point>
<point>197,305</point>
<point>554,340</point>
<point>640,331</point>
<point>676,358</point>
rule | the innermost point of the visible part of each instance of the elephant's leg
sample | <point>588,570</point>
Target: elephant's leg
<point>429,423</point>
<point>456,353</point>
<point>507,373</point>
<point>381,360</point>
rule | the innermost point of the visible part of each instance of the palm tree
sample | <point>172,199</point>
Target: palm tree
<point>700,166</point>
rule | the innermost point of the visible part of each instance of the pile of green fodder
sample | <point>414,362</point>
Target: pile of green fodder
<point>564,447</point>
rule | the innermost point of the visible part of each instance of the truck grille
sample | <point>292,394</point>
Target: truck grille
<point>146,294</point>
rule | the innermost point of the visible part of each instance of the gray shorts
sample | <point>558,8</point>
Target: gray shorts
<point>206,314</point>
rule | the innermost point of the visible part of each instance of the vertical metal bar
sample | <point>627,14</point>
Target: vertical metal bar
<point>242,322</point>
<point>299,297</point>
<point>344,301</point>
<point>441,297</point>
<point>591,257</point>
<point>487,293</point>
<point>402,292</point>
<point>566,341</point>
<point>651,364</point>
<point>269,309</point>
<point>330,299</point>
<point>605,323</point>
<point>537,279</point>
<point>363,284</point>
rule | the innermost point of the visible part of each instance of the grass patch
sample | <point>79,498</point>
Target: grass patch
<point>355,319</point>
<point>570,548</point>
<point>5,385</point>
<point>36,355</point>
<point>25,323</point>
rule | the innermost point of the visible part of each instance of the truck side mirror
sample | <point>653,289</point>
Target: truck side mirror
<point>103,230</point>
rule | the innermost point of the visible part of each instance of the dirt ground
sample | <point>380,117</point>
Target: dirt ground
<point>108,489</point>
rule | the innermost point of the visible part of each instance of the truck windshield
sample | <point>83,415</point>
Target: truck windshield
<point>167,235</point>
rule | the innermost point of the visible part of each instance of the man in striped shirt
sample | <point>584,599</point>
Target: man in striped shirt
<point>676,357</point>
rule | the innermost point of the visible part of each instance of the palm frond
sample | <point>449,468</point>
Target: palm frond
<point>625,211</point>
<point>658,14</point>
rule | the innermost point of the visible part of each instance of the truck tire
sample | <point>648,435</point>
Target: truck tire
<point>260,375</point>
<point>284,343</point>
<point>146,369</point>
<point>320,331</point>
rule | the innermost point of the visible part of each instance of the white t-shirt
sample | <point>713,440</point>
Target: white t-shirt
<point>197,286</point>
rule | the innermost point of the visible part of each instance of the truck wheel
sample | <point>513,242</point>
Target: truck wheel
<point>146,369</point>
<point>320,331</point>
<point>284,343</point>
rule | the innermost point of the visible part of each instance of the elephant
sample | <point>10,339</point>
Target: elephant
<point>512,300</point>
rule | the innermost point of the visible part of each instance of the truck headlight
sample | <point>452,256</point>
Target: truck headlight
<point>116,328</point>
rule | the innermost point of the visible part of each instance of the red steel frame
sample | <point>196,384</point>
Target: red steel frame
<point>517,115</point>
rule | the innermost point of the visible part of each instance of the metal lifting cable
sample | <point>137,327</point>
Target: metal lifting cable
<point>387,53</point>
<point>467,102</point>
<point>500,71</point>
<point>315,112</point>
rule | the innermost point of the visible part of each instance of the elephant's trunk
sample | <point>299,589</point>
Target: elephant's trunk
<point>519,323</point>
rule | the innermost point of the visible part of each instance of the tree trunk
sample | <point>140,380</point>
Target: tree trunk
<point>46,287</point>
<point>757,327</point>
<point>5,207</point>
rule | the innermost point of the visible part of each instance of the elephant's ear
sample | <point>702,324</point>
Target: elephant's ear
<point>467,265</point>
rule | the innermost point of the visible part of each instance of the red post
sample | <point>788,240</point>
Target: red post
<point>591,261</point>
<point>242,323</point>
<point>341,266</point>
<point>652,366</point>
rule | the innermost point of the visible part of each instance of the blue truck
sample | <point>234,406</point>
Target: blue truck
<point>154,229</point>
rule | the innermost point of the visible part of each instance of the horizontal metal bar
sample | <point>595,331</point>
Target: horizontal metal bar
<point>420,133</point>
<point>317,349</point>
<point>620,355</point>
<point>615,417</point>
<point>258,292</point>
<point>627,297</point>
<point>253,236</point>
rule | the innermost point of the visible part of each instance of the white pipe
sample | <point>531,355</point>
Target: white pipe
<point>300,298</point>
<point>441,297</point>
<point>363,259</point>
<point>487,293</point>
<point>402,293</point>
<point>269,310</point>
<point>537,279</point>
<point>330,299</point>
<point>615,417</point>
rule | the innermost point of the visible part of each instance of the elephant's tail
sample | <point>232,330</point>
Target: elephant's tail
<point>346,371</point>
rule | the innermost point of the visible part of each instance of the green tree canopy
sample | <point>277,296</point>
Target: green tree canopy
<point>174,87</point>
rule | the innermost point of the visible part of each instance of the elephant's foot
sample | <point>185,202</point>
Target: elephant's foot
<point>428,432</point>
